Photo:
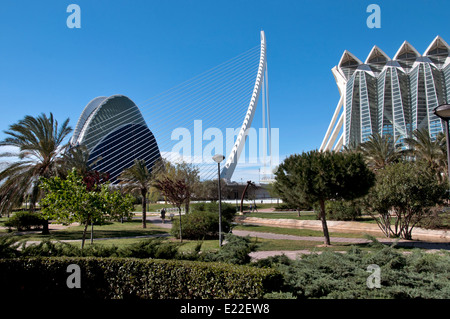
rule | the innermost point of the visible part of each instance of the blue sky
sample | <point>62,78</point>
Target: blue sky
<point>142,48</point>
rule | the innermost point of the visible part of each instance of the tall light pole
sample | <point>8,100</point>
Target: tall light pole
<point>219,158</point>
<point>443,111</point>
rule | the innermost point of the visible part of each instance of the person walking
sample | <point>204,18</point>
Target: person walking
<point>163,215</point>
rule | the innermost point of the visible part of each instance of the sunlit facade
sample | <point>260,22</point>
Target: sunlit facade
<point>389,96</point>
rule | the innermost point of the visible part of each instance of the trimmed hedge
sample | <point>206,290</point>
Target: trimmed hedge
<point>130,278</point>
<point>25,220</point>
<point>199,225</point>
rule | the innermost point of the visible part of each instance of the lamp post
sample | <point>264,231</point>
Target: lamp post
<point>443,111</point>
<point>219,158</point>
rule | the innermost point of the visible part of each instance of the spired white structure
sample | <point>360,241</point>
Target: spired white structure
<point>261,84</point>
<point>389,96</point>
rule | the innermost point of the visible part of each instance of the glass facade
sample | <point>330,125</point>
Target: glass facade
<point>115,134</point>
<point>394,96</point>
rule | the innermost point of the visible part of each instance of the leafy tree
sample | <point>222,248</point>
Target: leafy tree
<point>380,151</point>
<point>402,196</point>
<point>176,192</point>
<point>138,178</point>
<point>316,177</point>
<point>69,200</point>
<point>208,190</point>
<point>39,141</point>
<point>183,171</point>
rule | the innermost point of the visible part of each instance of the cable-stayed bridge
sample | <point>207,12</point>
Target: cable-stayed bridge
<point>209,114</point>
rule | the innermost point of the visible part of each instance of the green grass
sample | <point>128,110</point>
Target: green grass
<point>111,230</point>
<point>152,207</point>
<point>281,244</point>
<point>294,231</point>
<point>284,215</point>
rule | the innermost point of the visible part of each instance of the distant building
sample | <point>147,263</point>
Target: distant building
<point>389,96</point>
<point>114,131</point>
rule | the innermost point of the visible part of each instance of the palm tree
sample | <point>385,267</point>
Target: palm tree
<point>380,151</point>
<point>78,158</point>
<point>432,152</point>
<point>138,178</point>
<point>39,141</point>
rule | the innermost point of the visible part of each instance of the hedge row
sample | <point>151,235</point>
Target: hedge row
<point>130,278</point>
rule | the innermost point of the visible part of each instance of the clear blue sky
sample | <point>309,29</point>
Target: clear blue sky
<point>141,48</point>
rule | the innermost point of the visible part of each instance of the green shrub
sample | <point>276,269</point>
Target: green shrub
<point>151,248</point>
<point>48,248</point>
<point>128,278</point>
<point>344,276</point>
<point>236,250</point>
<point>24,220</point>
<point>147,248</point>
<point>228,210</point>
<point>199,225</point>
<point>9,247</point>
<point>343,210</point>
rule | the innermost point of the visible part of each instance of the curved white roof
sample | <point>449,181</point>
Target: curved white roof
<point>90,107</point>
<point>101,116</point>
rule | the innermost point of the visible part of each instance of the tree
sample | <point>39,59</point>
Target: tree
<point>176,191</point>
<point>138,178</point>
<point>77,157</point>
<point>380,151</point>
<point>316,177</point>
<point>69,200</point>
<point>39,141</point>
<point>402,196</point>
<point>208,190</point>
<point>183,171</point>
<point>431,151</point>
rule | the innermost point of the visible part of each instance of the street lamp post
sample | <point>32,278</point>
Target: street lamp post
<point>443,111</point>
<point>219,158</point>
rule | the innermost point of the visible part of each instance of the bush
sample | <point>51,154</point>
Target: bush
<point>343,210</point>
<point>24,220</point>
<point>151,248</point>
<point>148,248</point>
<point>48,248</point>
<point>235,251</point>
<point>9,247</point>
<point>344,276</point>
<point>120,278</point>
<point>199,225</point>
<point>228,210</point>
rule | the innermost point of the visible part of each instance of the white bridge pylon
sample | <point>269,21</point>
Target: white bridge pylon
<point>261,80</point>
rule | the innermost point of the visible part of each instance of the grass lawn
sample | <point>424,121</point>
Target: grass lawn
<point>294,231</point>
<point>280,244</point>
<point>284,215</point>
<point>109,230</point>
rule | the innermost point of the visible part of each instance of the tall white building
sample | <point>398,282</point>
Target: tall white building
<point>389,96</point>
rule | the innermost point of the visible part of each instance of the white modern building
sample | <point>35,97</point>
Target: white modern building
<point>389,96</point>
